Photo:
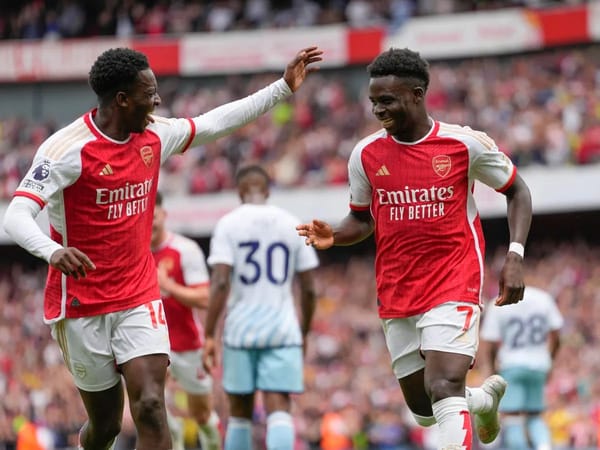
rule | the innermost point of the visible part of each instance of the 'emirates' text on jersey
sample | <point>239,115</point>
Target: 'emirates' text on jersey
<point>261,245</point>
<point>430,246</point>
<point>100,195</point>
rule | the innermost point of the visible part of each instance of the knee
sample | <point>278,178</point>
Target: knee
<point>149,410</point>
<point>441,388</point>
<point>102,434</point>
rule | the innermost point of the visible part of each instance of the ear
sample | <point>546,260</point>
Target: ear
<point>419,94</point>
<point>121,99</point>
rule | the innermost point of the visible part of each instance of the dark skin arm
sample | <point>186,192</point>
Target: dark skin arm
<point>355,227</point>
<point>518,200</point>
<point>308,302</point>
<point>220,284</point>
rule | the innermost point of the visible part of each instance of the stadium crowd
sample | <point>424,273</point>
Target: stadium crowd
<point>351,400</point>
<point>541,108</point>
<point>60,19</point>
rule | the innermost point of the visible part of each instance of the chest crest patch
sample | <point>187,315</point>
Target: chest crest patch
<point>147,155</point>
<point>442,164</point>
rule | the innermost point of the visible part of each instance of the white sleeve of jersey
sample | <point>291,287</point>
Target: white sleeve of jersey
<point>221,250</point>
<point>50,172</point>
<point>360,187</point>
<point>226,118</point>
<point>487,163</point>
<point>193,264</point>
<point>490,328</point>
<point>20,225</point>
<point>175,135</point>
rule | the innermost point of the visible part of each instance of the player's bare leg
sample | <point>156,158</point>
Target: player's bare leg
<point>437,394</point>
<point>239,427</point>
<point>201,408</point>
<point>145,380</point>
<point>105,414</point>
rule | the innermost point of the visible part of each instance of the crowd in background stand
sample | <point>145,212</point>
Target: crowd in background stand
<point>60,19</point>
<point>541,108</point>
<point>352,400</point>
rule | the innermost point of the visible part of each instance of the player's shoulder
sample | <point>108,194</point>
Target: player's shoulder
<point>466,135</point>
<point>66,141</point>
<point>370,139</point>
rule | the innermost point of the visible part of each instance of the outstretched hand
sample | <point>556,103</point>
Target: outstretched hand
<point>298,68</point>
<point>512,286</point>
<point>319,234</point>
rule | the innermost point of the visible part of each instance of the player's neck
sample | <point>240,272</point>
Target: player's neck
<point>105,121</point>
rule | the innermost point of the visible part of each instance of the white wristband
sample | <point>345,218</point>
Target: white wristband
<point>517,248</point>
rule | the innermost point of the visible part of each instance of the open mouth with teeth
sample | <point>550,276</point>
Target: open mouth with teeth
<point>386,123</point>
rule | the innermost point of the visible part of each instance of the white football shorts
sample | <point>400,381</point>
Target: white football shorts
<point>94,346</point>
<point>187,369</point>
<point>450,327</point>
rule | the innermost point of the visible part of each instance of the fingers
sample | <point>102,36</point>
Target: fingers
<point>510,296</point>
<point>72,262</point>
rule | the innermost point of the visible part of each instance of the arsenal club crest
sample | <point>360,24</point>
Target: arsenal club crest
<point>441,165</point>
<point>147,155</point>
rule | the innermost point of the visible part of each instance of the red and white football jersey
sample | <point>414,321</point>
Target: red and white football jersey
<point>430,245</point>
<point>100,195</point>
<point>184,262</point>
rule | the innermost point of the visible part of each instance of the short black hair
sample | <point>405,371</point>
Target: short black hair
<point>251,168</point>
<point>159,198</point>
<point>116,70</point>
<point>403,63</point>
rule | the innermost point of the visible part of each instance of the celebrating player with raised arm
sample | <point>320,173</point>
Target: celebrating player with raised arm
<point>412,184</point>
<point>98,176</point>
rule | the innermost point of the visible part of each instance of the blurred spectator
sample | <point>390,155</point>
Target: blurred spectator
<point>543,109</point>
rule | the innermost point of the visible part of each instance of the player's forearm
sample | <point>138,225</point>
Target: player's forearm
<point>356,227</point>
<point>226,118</point>
<point>219,290</point>
<point>20,225</point>
<point>308,301</point>
<point>519,211</point>
<point>191,296</point>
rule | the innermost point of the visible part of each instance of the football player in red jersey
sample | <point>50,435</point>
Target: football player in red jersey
<point>411,183</point>
<point>183,280</point>
<point>98,177</point>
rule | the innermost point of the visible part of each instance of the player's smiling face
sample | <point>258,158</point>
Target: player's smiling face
<point>141,100</point>
<point>396,103</point>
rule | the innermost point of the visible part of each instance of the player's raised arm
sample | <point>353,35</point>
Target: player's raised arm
<point>298,68</point>
<point>230,116</point>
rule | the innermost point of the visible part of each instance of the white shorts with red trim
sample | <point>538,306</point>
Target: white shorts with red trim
<point>451,327</point>
<point>94,346</point>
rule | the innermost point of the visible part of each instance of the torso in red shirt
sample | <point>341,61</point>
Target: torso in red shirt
<point>184,262</point>
<point>430,245</point>
<point>100,195</point>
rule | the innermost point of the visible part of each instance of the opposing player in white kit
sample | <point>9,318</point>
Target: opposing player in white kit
<point>98,177</point>
<point>183,280</point>
<point>521,341</point>
<point>255,254</point>
<point>412,184</point>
